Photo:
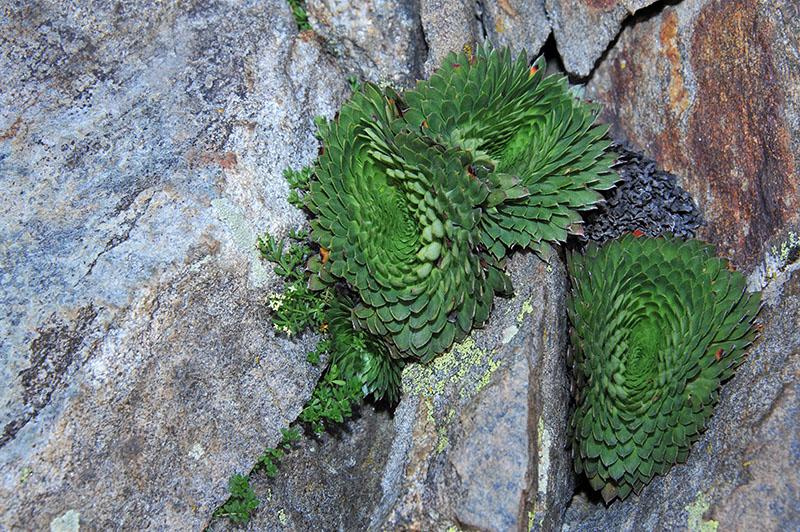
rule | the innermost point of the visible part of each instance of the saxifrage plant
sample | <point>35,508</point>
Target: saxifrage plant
<point>657,325</point>
<point>417,197</point>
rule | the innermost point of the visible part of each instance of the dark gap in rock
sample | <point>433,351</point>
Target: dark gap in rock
<point>479,10</point>
<point>423,51</point>
<point>555,65</point>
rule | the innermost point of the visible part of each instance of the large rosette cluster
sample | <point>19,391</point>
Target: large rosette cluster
<point>657,325</point>
<point>417,197</point>
<point>526,127</point>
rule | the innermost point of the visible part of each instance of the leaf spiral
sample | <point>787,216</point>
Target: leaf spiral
<point>657,325</point>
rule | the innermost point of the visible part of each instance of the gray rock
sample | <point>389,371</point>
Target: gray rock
<point>479,432</point>
<point>583,29</point>
<point>518,24</point>
<point>141,152</point>
<point>448,25</point>
<point>743,473</point>
<point>381,40</point>
<point>326,483</point>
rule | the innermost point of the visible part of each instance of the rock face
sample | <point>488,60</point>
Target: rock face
<point>449,25</point>
<point>478,431</point>
<point>518,24</point>
<point>141,152</point>
<point>583,29</point>
<point>709,89</point>
<point>743,473</point>
<point>326,483</point>
<point>380,40</point>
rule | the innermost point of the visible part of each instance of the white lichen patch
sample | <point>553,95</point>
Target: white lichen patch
<point>196,452</point>
<point>243,237</point>
<point>69,521</point>
<point>509,333</point>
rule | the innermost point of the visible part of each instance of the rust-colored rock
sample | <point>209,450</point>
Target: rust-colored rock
<point>708,88</point>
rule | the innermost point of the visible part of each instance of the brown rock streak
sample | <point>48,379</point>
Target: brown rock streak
<point>738,137</point>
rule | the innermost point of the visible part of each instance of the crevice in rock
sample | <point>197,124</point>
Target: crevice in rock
<point>479,11</point>
<point>643,15</point>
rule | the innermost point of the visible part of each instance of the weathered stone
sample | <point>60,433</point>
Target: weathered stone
<point>381,40</point>
<point>141,152</point>
<point>709,89</point>
<point>583,29</point>
<point>743,473</point>
<point>518,24</point>
<point>326,483</point>
<point>449,25</point>
<point>479,430</point>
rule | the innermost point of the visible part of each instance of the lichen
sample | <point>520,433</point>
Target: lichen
<point>282,518</point>
<point>695,510</point>
<point>464,365</point>
<point>527,309</point>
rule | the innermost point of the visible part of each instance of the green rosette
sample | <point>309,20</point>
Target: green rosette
<point>658,324</point>
<point>538,143</point>
<point>397,216</point>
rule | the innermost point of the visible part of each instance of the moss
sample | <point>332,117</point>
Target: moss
<point>695,521</point>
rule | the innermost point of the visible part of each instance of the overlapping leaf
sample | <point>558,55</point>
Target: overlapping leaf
<point>398,215</point>
<point>418,197</point>
<point>528,129</point>
<point>657,324</point>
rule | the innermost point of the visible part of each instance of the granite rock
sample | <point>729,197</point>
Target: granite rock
<point>448,26</point>
<point>518,24</point>
<point>583,29</point>
<point>709,90</point>
<point>743,472</point>
<point>479,432</point>
<point>379,40</point>
<point>331,482</point>
<point>141,152</point>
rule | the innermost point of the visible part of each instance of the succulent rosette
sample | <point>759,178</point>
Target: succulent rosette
<point>396,216</point>
<point>538,142</point>
<point>658,324</point>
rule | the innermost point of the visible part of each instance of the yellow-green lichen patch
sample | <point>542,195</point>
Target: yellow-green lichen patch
<point>282,518</point>
<point>527,308</point>
<point>464,366</point>
<point>442,440</point>
<point>695,521</point>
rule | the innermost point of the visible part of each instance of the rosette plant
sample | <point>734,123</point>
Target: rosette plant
<point>658,324</point>
<point>523,127</point>
<point>396,216</point>
<point>417,197</point>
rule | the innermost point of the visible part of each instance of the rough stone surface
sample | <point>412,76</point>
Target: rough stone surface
<point>583,29</point>
<point>479,431</point>
<point>448,26</point>
<point>379,40</point>
<point>743,473</point>
<point>518,24</point>
<point>326,483</point>
<point>141,152</point>
<point>710,90</point>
